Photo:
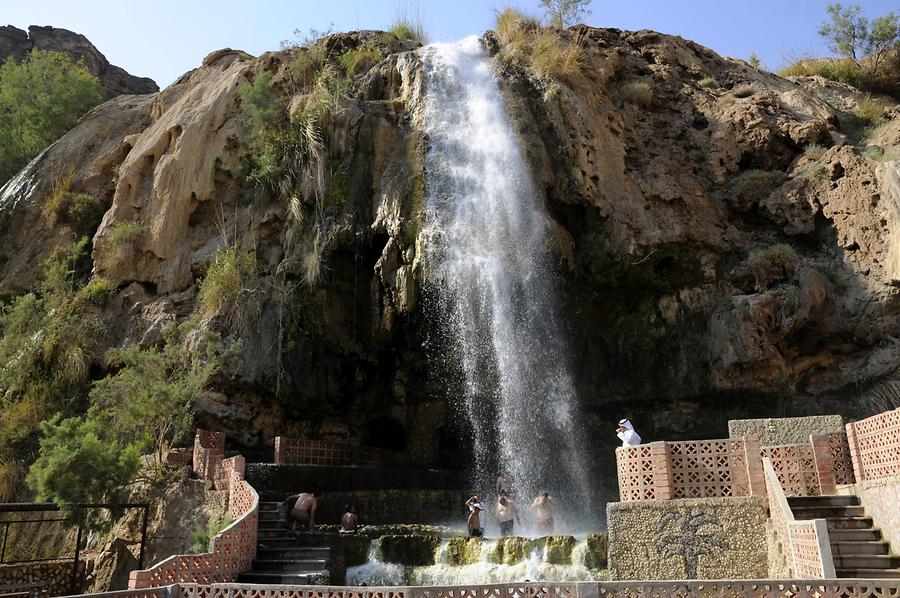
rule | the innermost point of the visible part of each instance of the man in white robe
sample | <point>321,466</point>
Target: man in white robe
<point>626,433</point>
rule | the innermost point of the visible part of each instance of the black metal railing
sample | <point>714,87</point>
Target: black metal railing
<point>6,509</point>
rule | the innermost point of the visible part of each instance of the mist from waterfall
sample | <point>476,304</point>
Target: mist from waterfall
<point>489,266</point>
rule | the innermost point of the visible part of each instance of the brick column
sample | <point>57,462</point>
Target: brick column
<point>662,470</point>
<point>858,471</point>
<point>824,460</point>
<point>756,477</point>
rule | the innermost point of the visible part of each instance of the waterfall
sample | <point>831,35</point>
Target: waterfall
<point>489,269</point>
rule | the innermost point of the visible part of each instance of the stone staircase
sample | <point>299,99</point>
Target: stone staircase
<point>280,557</point>
<point>856,546</point>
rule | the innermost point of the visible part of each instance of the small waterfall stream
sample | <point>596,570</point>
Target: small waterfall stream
<point>487,258</point>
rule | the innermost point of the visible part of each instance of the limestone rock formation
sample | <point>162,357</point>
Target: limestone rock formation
<point>723,251</point>
<point>16,43</point>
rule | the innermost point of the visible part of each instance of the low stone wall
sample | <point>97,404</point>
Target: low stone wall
<point>774,431</point>
<point>705,538</point>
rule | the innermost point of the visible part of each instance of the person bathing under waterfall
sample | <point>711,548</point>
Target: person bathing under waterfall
<point>626,433</point>
<point>303,509</point>
<point>474,520</point>
<point>544,507</point>
<point>349,521</point>
<point>506,514</point>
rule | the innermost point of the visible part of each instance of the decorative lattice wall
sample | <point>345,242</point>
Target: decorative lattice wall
<point>233,549</point>
<point>795,467</point>
<point>875,446</point>
<point>297,451</point>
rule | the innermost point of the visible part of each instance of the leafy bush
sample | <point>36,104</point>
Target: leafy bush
<point>852,35</point>
<point>708,82</point>
<point>637,92</point>
<point>403,29</point>
<point>752,186</point>
<point>124,231</point>
<point>871,108</point>
<point>81,211</point>
<point>78,465</point>
<point>201,535</point>
<point>40,99</point>
<point>360,60</point>
<point>258,102</point>
<point>230,280</point>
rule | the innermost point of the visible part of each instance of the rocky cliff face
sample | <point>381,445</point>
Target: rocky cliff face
<point>727,245</point>
<point>16,43</point>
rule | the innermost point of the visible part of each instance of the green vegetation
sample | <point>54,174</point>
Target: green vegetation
<point>752,186</point>
<point>124,231</point>
<point>852,36</point>
<point>40,99</point>
<point>813,151</point>
<point>48,338</point>
<point>201,535</point>
<point>230,283</point>
<point>709,82</point>
<point>403,30</point>
<point>565,13</point>
<point>871,108</point>
<point>778,262</point>
<point>77,465</point>
<point>543,52</point>
<point>637,92</point>
<point>755,61</point>
<point>81,211</point>
<point>360,60</point>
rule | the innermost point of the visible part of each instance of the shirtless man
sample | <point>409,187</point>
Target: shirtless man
<point>506,513</point>
<point>474,520</point>
<point>544,507</point>
<point>349,520</point>
<point>304,509</point>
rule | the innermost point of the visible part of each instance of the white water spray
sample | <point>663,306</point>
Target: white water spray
<point>487,259</point>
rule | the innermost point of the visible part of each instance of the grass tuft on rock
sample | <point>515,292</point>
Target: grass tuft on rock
<point>229,285</point>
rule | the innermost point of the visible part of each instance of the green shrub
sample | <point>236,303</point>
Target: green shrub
<point>79,465</point>
<point>778,262</point>
<point>514,29</point>
<point>878,154</point>
<point>124,232</point>
<point>403,29</point>
<point>708,82</point>
<point>549,59</point>
<point>871,109</point>
<point>752,186</point>
<point>637,92</point>
<point>834,69</point>
<point>307,63</point>
<point>202,535</point>
<point>258,102</point>
<point>230,282</point>
<point>813,151</point>
<point>81,211</point>
<point>40,99</point>
<point>360,60</point>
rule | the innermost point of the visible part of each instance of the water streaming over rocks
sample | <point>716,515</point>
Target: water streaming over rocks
<point>489,266</point>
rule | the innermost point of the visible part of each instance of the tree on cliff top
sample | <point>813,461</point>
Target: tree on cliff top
<point>852,35</point>
<point>564,13</point>
<point>41,98</point>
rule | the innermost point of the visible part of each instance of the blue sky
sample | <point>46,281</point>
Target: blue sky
<point>164,38</point>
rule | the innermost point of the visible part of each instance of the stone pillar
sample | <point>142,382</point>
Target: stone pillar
<point>858,471</point>
<point>756,478</point>
<point>279,450</point>
<point>824,461</point>
<point>662,470</point>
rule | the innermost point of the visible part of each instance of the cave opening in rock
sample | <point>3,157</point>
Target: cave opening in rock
<point>385,432</point>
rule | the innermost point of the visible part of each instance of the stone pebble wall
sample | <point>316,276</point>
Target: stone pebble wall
<point>785,430</point>
<point>646,538</point>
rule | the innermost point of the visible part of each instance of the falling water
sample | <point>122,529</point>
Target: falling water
<point>487,260</point>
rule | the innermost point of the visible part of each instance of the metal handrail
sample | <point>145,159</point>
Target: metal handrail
<point>53,507</point>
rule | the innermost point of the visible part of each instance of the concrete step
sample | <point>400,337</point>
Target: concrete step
<point>854,535</point>
<point>270,516</point>
<point>845,523</point>
<point>867,548</point>
<point>867,573</point>
<point>265,551</point>
<point>823,501</point>
<point>280,542</point>
<point>827,512</point>
<point>285,564</point>
<point>286,577</point>
<point>865,561</point>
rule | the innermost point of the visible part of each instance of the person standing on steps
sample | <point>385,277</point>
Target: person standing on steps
<point>544,507</point>
<point>303,509</point>
<point>626,433</point>
<point>474,520</point>
<point>349,521</point>
<point>507,513</point>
